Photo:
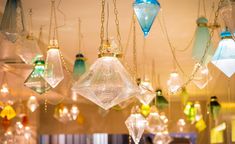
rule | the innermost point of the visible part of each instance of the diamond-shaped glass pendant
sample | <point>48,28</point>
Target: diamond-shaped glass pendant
<point>162,138</point>
<point>32,103</point>
<point>202,77</point>
<point>227,12</point>
<point>146,94</point>
<point>174,82</point>
<point>146,12</point>
<point>155,124</point>
<point>12,23</point>
<point>35,80</point>
<point>79,66</point>
<point>224,57</point>
<point>161,101</point>
<point>53,69</point>
<point>136,124</point>
<point>107,83</point>
<point>200,44</point>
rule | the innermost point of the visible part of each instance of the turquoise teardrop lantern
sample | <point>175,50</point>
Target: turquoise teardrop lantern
<point>146,12</point>
<point>79,66</point>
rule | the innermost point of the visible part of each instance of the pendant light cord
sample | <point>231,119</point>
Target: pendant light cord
<point>79,35</point>
<point>135,65</point>
<point>30,23</point>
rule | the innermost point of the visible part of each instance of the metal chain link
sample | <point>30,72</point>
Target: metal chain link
<point>102,18</point>
<point>135,69</point>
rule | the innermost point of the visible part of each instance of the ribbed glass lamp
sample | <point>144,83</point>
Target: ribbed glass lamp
<point>79,66</point>
<point>224,57</point>
<point>200,44</point>
<point>146,12</point>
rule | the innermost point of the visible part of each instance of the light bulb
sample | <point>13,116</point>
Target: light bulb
<point>174,82</point>
<point>62,113</point>
<point>202,77</point>
<point>74,111</point>
<point>32,103</point>
<point>4,90</point>
<point>53,69</point>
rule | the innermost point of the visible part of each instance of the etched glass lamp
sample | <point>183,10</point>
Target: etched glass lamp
<point>202,77</point>
<point>174,82</point>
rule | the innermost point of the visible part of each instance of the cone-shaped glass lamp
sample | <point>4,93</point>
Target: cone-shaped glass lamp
<point>202,77</point>
<point>214,107</point>
<point>146,92</point>
<point>32,103</point>
<point>174,82</point>
<point>227,12</point>
<point>53,73</point>
<point>35,80</point>
<point>12,22</point>
<point>79,66</point>
<point>107,83</point>
<point>146,12</point>
<point>201,40</point>
<point>224,57</point>
<point>136,124</point>
<point>161,101</point>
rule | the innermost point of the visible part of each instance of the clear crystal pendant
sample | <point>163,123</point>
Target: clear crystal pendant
<point>224,57</point>
<point>53,73</point>
<point>35,80</point>
<point>155,123</point>
<point>174,82</point>
<point>74,111</point>
<point>161,101</point>
<point>146,12</point>
<point>202,77</point>
<point>136,124</point>
<point>162,138</point>
<point>32,103</point>
<point>107,83</point>
<point>62,113</point>
<point>146,92</point>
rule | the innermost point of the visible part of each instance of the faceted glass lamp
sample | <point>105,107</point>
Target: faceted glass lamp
<point>202,77</point>
<point>162,138</point>
<point>174,82</point>
<point>155,124</point>
<point>146,12</point>
<point>53,73</point>
<point>136,124</point>
<point>35,80</point>
<point>224,57</point>
<point>107,83</point>
<point>227,12</point>
<point>214,107</point>
<point>79,66</point>
<point>32,103</point>
<point>146,92</point>
<point>201,40</point>
<point>12,22</point>
<point>161,101</point>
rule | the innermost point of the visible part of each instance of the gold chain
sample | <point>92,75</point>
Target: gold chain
<point>129,137</point>
<point>135,69</point>
<point>102,25</point>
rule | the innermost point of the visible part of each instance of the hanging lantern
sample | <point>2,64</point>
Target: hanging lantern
<point>4,90</point>
<point>200,125</point>
<point>136,124</point>
<point>19,128</point>
<point>198,111</point>
<point>184,96</point>
<point>79,66</point>
<point>146,12</point>
<point>12,23</point>
<point>9,138</point>
<point>146,92</point>
<point>80,119</point>
<point>174,82</point>
<point>145,110</point>
<point>35,80</point>
<point>27,133</point>
<point>155,123</point>
<point>162,138</point>
<point>53,73</point>
<point>6,123</point>
<point>181,125</point>
<point>214,107</point>
<point>8,112</point>
<point>202,77</point>
<point>107,83</point>
<point>201,42</point>
<point>190,112</point>
<point>161,101</point>
<point>62,113</point>
<point>224,57</point>
<point>74,111</point>
<point>32,103</point>
<point>25,120</point>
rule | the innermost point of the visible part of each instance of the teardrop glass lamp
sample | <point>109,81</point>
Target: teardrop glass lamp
<point>146,94</point>
<point>53,73</point>
<point>202,77</point>
<point>32,103</point>
<point>146,12</point>
<point>200,44</point>
<point>161,101</point>
<point>35,80</point>
<point>174,82</point>
<point>224,57</point>
<point>214,107</point>
<point>79,66</point>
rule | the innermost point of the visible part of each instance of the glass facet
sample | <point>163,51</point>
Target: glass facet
<point>146,92</point>
<point>202,77</point>
<point>136,124</point>
<point>79,66</point>
<point>174,82</point>
<point>224,57</point>
<point>107,83</point>
<point>146,12</point>
<point>32,103</point>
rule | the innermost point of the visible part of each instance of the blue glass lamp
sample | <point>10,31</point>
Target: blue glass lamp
<point>224,57</point>
<point>146,12</point>
<point>79,66</point>
<point>201,40</point>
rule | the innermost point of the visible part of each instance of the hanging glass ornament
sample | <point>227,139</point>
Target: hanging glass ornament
<point>184,96</point>
<point>198,111</point>
<point>4,90</point>
<point>200,125</point>
<point>27,133</point>
<point>181,125</point>
<point>53,73</point>
<point>8,112</point>
<point>136,124</point>
<point>146,12</point>
<point>19,128</point>
<point>62,113</point>
<point>162,138</point>
<point>201,41</point>
<point>32,103</point>
<point>79,66</point>
<point>74,111</point>
<point>12,23</point>
<point>146,92</point>
<point>214,107</point>
<point>145,110</point>
<point>202,77</point>
<point>6,123</point>
<point>161,101</point>
<point>174,82</point>
<point>190,112</point>
<point>155,123</point>
<point>35,80</point>
<point>224,57</point>
<point>107,83</point>
<point>9,138</point>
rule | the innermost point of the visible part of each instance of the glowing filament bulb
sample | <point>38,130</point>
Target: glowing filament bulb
<point>32,103</point>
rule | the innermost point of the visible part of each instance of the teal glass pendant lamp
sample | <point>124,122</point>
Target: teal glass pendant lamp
<point>79,66</point>
<point>224,57</point>
<point>146,12</point>
<point>161,102</point>
<point>201,40</point>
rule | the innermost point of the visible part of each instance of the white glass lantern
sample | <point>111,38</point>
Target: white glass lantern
<point>32,103</point>
<point>202,77</point>
<point>74,111</point>
<point>174,82</point>
<point>147,93</point>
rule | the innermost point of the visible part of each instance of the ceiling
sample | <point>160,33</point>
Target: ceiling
<point>180,20</point>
